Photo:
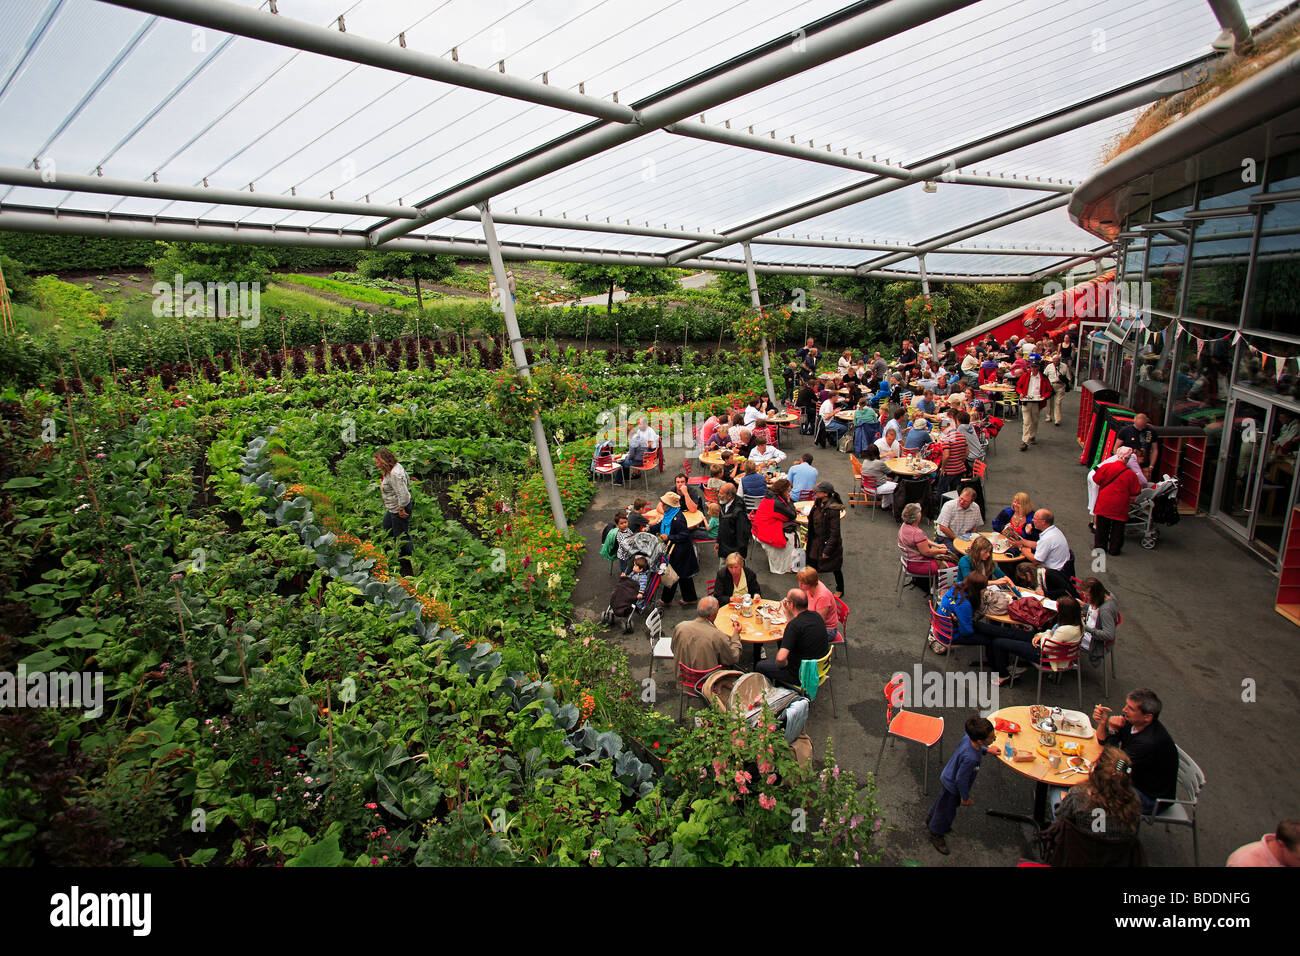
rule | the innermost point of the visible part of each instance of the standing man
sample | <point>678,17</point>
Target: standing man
<point>802,354</point>
<point>1034,390</point>
<point>805,638</point>
<point>1141,437</point>
<point>1054,375</point>
<point>700,645</point>
<point>1148,745</point>
<point>907,361</point>
<point>879,367</point>
<point>733,524</point>
<point>952,463</point>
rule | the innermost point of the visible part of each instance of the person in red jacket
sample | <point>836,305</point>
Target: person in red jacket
<point>1035,391</point>
<point>1117,486</point>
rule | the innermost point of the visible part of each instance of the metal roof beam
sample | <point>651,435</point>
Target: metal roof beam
<point>789,59</point>
<point>1025,250</point>
<point>966,232</point>
<point>1035,131</point>
<point>299,35</point>
<point>731,137</point>
<point>67,182</point>
<point>583,225</point>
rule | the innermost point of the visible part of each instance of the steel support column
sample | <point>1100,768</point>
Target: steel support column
<point>521,364</point>
<point>758,305</point>
<point>925,292</point>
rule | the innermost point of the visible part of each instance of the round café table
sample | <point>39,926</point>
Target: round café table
<point>962,546</point>
<point>911,467</point>
<point>845,416</point>
<point>711,458</point>
<point>693,518</point>
<point>784,419</point>
<point>754,631</point>
<point>1039,770</point>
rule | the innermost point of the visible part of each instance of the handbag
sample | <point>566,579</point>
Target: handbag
<point>1030,612</point>
<point>846,442</point>
<point>994,602</point>
<point>668,575</point>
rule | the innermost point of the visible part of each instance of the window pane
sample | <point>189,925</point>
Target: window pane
<point>1226,189</point>
<point>1217,280</point>
<point>1135,260</point>
<point>1155,356</point>
<point>1275,298</point>
<point>1284,172</point>
<point>1261,372</point>
<point>1165,269</point>
<point>1201,392</point>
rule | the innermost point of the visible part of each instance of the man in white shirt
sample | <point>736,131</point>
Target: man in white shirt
<point>958,516</point>
<point>763,453</point>
<point>888,442</point>
<point>752,414</point>
<point>1051,549</point>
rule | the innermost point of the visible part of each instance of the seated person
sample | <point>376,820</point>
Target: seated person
<point>805,638</point>
<point>874,467</point>
<point>918,434</point>
<point>864,414</point>
<point>888,444</point>
<point>923,555</point>
<point>717,478</point>
<point>803,476</point>
<point>1141,735</point>
<point>752,482</point>
<point>988,372</point>
<point>820,599</point>
<point>721,437</point>
<point>959,602</point>
<point>1065,632</point>
<point>979,558</point>
<point>699,645</point>
<point>1018,516</point>
<point>636,517</point>
<point>764,454</point>
<point>735,579</point>
<point>1050,549</point>
<point>958,516</point>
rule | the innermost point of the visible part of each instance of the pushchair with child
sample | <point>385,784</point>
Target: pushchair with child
<point>1155,505</point>
<point>623,603</point>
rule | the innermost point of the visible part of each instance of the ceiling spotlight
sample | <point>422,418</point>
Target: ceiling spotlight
<point>930,186</point>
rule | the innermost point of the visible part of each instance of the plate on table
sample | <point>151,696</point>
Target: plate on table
<point>1001,545</point>
<point>1071,724</point>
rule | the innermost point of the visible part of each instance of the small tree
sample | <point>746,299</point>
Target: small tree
<point>407,265</point>
<point>789,291</point>
<point>213,262</point>
<point>634,280</point>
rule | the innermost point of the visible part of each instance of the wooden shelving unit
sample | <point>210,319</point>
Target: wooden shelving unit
<point>1288,589</point>
<point>1184,456</point>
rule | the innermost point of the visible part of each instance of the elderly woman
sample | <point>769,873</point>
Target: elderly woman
<point>825,548</point>
<point>773,524</point>
<point>923,555</point>
<point>1117,487</point>
<point>395,490</point>
<point>674,532</point>
<point>734,579</point>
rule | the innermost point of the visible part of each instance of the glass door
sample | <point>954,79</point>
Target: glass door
<point>1277,476</point>
<point>1246,433</point>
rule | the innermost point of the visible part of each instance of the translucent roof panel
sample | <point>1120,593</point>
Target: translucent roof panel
<point>86,87</point>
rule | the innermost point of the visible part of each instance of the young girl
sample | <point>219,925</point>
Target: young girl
<point>715,513</point>
<point>715,481</point>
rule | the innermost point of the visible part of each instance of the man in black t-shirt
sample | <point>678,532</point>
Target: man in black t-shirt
<point>1150,749</point>
<point>805,638</point>
<point>907,361</point>
<point>1141,437</point>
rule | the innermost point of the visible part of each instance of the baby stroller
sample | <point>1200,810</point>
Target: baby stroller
<point>1154,506</point>
<point>623,603</point>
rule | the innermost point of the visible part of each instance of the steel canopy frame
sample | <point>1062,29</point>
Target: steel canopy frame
<point>775,61</point>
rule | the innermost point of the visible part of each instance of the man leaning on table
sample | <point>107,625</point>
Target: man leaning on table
<point>1141,735</point>
<point>700,645</point>
<point>805,637</point>
<point>764,454</point>
<point>958,516</point>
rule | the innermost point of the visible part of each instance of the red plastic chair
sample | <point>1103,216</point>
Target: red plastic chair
<point>1051,653</point>
<point>841,639</point>
<point>978,469</point>
<point>690,680</point>
<point>941,626</point>
<point>919,728</point>
<point>605,465</point>
<point>808,495</point>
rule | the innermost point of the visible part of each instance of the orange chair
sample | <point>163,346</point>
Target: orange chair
<point>648,464</point>
<point>978,469</point>
<point>856,497</point>
<point>920,728</point>
<point>690,681</point>
<point>605,465</point>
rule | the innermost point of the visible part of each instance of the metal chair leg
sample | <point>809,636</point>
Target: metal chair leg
<point>881,756</point>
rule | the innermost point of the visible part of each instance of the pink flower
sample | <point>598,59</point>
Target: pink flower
<point>743,777</point>
<point>766,802</point>
<point>771,778</point>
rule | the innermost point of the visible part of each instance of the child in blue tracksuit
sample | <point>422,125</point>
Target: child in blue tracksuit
<point>958,778</point>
